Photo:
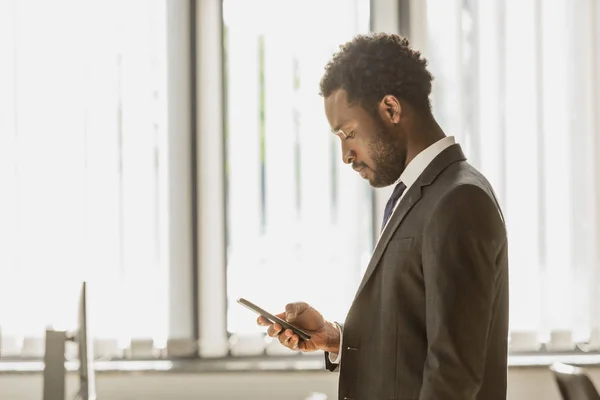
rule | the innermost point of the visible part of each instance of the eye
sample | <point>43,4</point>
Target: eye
<point>343,136</point>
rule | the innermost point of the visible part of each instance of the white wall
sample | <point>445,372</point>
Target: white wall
<point>524,384</point>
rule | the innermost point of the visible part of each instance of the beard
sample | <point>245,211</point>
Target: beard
<point>388,155</point>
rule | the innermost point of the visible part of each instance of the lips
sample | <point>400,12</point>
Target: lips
<point>362,171</point>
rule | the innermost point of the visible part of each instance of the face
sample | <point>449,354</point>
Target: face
<point>375,146</point>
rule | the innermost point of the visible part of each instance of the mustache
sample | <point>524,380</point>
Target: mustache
<point>359,165</point>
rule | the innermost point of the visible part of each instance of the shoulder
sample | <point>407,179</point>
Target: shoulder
<point>462,181</point>
<point>462,192</point>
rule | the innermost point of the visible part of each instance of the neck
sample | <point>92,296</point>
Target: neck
<point>423,133</point>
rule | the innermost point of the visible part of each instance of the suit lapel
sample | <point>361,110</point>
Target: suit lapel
<point>406,203</point>
<point>447,157</point>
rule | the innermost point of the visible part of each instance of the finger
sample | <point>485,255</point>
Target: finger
<point>289,339</point>
<point>284,340</point>
<point>294,342</point>
<point>262,321</point>
<point>281,316</point>
<point>293,309</point>
<point>274,330</point>
<point>302,346</point>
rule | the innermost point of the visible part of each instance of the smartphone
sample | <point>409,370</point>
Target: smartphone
<point>271,318</point>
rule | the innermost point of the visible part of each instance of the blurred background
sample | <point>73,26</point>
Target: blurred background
<point>175,155</point>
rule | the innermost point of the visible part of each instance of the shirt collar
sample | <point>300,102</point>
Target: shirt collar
<point>417,165</point>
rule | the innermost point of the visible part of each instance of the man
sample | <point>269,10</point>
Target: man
<point>430,317</point>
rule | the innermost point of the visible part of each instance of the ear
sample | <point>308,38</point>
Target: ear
<point>390,109</point>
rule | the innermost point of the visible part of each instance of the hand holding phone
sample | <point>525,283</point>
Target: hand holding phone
<point>274,319</point>
<point>300,327</point>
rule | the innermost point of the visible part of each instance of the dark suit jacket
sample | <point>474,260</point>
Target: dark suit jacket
<point>430,318</point>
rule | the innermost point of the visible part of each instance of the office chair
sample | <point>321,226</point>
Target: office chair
<point>573,383</point>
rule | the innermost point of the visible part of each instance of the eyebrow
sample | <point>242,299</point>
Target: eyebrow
<point>337,130</point>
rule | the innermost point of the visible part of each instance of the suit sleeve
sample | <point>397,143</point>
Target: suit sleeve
<point>461,243</point>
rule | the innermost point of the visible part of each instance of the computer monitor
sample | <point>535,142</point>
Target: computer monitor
<point>54,358</point>
<point>85,345</point>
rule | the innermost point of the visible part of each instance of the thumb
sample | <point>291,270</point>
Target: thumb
<point>293,309</point>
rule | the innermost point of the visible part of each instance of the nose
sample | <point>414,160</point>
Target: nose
<point>348,155</point>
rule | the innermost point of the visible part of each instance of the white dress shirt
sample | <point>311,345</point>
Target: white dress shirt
<point>411,173</point>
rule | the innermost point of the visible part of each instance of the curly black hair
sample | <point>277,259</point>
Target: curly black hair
<point>374,65</point>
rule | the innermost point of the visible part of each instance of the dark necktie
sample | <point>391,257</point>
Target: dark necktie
<point>389,207</point>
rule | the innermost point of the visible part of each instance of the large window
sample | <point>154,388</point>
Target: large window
<point>299,222</point>
<point>84,170</point>
<point>515,82</point>
<point>99,179</point>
